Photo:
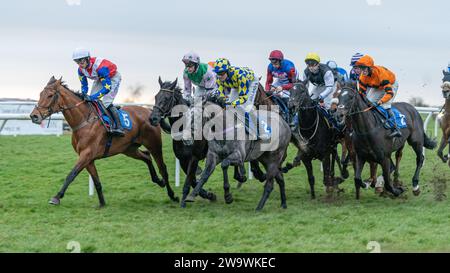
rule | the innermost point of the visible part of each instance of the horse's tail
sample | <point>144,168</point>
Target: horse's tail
<point>428,142</point>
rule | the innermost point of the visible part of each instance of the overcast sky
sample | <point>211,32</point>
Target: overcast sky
<point>147,38</point>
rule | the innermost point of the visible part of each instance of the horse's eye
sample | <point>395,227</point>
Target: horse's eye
<point>49,96</point>
<point>341,106</point>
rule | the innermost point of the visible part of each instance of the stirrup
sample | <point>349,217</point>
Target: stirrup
<point>395,133</point>
<point>117,132</point>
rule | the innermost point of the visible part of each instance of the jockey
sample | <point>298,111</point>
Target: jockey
<point>106,82</point>
<point>353,75</point>
<point>322,79</point>
<point>380,86</point>
<point>199,74</point>
<point>239,87</point>
<point>339,73</point>
<point>285,76</point>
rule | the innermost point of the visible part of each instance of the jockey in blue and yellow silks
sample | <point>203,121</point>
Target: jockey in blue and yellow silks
<point>238,86</point>
<point>106,82</point>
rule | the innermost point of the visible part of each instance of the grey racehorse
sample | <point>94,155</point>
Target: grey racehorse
<point>270,153</point>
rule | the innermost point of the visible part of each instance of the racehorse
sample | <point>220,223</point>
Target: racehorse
<point>319,137</point>
<point>445,119</point>
<point>234,152</point>
<point>371,142</point>
<point>90,139</point>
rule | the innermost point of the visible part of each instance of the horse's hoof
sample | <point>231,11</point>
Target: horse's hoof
<point>329,189</point>
<point>283,206</point>
<point>416,191</point>
<point>182,204</point>
<point>212,197</point>
<point>54,201</point>
<point>345,174</point>
<point>229,199</point>
<point>379,189</point>
<point>175,199</point>
<point>190,198</point>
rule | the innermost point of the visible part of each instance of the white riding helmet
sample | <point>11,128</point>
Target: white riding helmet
<point>80,53</point>
<point>332,64</point>
<point>191,57</point>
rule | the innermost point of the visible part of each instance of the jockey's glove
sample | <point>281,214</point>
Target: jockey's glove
<point>87,98</point>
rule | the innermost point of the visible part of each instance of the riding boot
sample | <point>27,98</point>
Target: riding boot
<point>395,131</point>
<point>117,130</point>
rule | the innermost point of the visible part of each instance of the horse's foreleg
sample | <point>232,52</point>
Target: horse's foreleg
<point>226,183</point>
<point>419,163</point>
<point>386,166</point>
<point>442,145</point>
<point>98,186</point>
<point>359,165</point>
<point>190,169</point>
<point>211,162</point>
<point>82,162</point>
<point>398,158</point>
<point>280,181</point>
<point>257,172</point>
<point>311,179</point>
<point>272,171</point>
<point>327,179</point>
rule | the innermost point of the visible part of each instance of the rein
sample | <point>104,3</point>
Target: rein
<point>62,109</point>
<point>172,102</point>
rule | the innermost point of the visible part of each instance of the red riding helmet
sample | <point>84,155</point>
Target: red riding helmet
<point>276,55</point>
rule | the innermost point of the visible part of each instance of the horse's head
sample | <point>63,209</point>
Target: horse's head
<point>49,101</point>
<point>446,90</point>
<point>346,98</point>
<point>446,85</point>
<point>168,96</point>
<point>299,96</point>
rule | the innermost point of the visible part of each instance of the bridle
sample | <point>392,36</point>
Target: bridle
<point>49,108</point>
<point>354,101</point>
<point>171,104</point>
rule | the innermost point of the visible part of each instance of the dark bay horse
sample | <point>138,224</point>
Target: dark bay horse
<point>319,137</point>
<point>371,142</point>
<point>166,99</point>
<point>89,136</point>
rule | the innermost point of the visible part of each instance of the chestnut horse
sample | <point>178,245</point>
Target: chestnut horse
<point>91,141</point>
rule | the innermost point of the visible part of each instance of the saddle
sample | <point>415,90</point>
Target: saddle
<point>106,118</point>
<point>398,119</point>
<point>282,105</point>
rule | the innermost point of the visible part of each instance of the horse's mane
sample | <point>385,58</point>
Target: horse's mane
<point>177,89</point>
<point>64,84</point>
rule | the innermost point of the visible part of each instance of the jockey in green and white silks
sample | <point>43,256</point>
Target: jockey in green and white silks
<point>199,74</point>
<point>239,86</point>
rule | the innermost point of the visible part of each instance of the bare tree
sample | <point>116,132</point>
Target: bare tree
<point>418,101</point>
<point>134,92</point>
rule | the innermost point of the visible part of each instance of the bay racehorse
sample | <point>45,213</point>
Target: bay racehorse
<point>317,135</point>
<point>91,141</point>
<point>445,120</point>
<point>371,142</point>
